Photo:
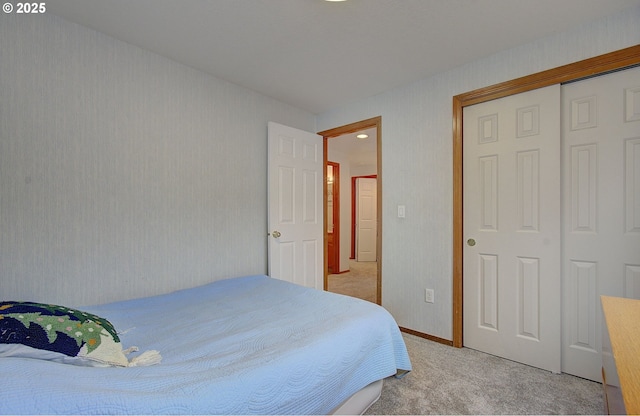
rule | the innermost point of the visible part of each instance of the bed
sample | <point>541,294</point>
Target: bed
<point>246,345</point>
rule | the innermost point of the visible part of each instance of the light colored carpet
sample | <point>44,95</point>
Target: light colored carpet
<point>447,380</point>
<point>360,281</point>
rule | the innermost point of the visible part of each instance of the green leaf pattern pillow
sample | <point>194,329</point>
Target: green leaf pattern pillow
<point>44,331</point>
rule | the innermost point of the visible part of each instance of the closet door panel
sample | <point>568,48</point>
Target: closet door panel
<point>601,214</point>
<point>512,227</point>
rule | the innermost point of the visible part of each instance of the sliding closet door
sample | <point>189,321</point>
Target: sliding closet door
<point>511,181</point>
<point>601,209</point>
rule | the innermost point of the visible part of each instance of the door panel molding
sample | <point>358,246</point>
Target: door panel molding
<point>589,67</point>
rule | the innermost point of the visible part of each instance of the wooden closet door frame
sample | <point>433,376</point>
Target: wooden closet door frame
<point>598,65</point>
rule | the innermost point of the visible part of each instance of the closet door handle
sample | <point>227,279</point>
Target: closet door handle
<point>471,242</point>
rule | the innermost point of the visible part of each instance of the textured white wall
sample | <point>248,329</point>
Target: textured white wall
<point>123,173</point>
<point>417,162</point>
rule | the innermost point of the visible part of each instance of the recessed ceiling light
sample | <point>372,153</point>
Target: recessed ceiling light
<point>336,0</point>
<point>361,135</point>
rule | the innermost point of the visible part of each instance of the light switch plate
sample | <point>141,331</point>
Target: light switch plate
<point>401,211</point>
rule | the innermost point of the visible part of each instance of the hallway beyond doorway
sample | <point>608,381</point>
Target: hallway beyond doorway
<point>359,282</point>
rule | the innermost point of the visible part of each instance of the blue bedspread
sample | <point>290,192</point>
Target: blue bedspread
<point>248,345</point>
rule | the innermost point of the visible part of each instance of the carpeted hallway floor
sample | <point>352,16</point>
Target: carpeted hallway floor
<point>360,281</point>
<point>447,380</point>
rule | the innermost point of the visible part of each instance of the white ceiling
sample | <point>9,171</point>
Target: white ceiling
<point>359,152</point>
<point>319,55</point>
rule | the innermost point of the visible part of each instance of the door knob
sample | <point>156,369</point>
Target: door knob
<point>276,234</point>
<point>471,242</point>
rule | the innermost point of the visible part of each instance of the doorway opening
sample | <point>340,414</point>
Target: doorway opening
<point>352,157</point>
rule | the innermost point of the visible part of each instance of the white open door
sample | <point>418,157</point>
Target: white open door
<point>366,219</point>
<point>295,211</point>
<point>512,268</point>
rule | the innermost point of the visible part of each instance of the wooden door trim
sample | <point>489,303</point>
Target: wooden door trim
<point>336,216</point>
<point>586,68</point>
<point>375,122</point>
<point>353,212</point>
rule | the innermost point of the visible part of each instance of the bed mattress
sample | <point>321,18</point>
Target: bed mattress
<point>247,345</point>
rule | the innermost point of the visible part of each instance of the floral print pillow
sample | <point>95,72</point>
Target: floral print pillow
<point>48,329</point>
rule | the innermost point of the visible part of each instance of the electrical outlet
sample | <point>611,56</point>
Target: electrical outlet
<point>428,295</point>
